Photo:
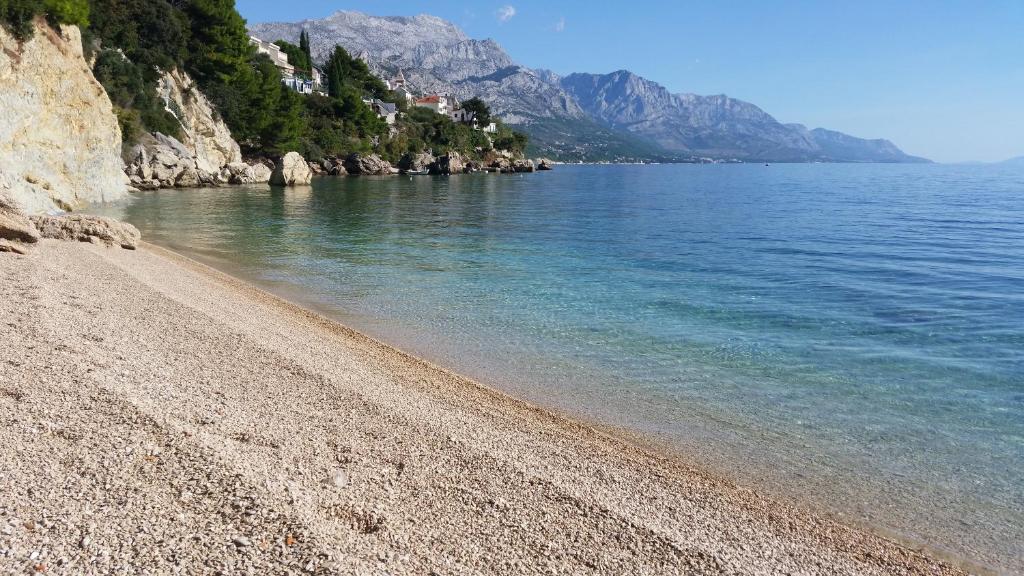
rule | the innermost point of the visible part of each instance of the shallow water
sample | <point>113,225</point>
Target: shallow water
<point>849,335</point>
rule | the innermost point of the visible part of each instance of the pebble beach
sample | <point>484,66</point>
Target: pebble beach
<point>161,417</point>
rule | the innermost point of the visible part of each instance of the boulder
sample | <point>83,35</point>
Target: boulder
<point>371,165</point>
<point>17,227</point>
<point>501,165</point>
<point>415,162</point>
<point>187,178</point>
<point>167,162</point>
<point>261,173</point>
<point>292,170</point>
<point>544,164</point>
<point>333,167</point>
<point>523,165</point>
<point>450,163</point>
<point>242,173</point>
<point>95,229</point>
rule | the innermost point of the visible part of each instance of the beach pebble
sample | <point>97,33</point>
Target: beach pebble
<point>339,479</point>
<point>241,541</point>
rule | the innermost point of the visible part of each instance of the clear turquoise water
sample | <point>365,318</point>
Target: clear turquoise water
<point>848,335</point>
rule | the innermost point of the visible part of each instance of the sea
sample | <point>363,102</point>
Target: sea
<point>849,337</point>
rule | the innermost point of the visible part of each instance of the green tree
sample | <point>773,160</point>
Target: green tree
<point>304,47</point>
<point>296,57</point>
<point>219,43</point>
<point>67,11</point>
<point>17,15</point>
<point>481,111</point>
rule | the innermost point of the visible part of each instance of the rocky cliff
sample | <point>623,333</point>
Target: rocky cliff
<point>203,132</point>
<point>60,143</point>
<point>205,154</point>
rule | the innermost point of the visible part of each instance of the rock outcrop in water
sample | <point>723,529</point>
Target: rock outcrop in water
<point>242,173</point>
<point>291,170</point>
<point>447,164</point>
<point>371,165</point>
<point>415,162</point>
<point>60,144</point>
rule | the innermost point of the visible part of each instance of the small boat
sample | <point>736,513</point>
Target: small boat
<point>417,172</point>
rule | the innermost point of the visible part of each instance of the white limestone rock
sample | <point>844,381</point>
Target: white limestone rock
<point>292,170</point>
<point>60,143</point>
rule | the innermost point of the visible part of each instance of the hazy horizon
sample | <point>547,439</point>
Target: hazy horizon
<point>940,82</point>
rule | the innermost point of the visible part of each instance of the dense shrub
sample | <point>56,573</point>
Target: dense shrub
<point>18,15</point>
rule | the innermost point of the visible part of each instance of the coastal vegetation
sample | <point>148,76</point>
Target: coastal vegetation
<point>134,41</point>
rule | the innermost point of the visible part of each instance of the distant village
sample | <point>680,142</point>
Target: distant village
<point>313,82</point>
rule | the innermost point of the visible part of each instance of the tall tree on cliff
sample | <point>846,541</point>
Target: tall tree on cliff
<point>304,46</point>
<point>219,47</point>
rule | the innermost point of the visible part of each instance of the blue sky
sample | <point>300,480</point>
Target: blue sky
<point>942,79</point>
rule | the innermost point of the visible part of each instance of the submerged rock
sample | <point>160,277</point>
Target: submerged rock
<point>95,229</point>
<point>292,170</point>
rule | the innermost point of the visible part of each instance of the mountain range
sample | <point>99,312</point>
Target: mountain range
<point>617,117</point>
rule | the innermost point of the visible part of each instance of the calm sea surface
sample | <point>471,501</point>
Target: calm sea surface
<point>851,336</point>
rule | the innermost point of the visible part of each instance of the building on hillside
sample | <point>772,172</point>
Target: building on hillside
<point>301,81</point>
<point>435,102</point>
<point>397,82</point>
<point>463,116</point>
<point>279,58</point>
<point>404,92</point>
<point>384,110</point>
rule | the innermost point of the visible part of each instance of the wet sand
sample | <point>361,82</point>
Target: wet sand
<point>160,416</point>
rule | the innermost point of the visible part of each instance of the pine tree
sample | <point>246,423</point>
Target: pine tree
<point>338,66</point>
<point>304,47</point>
<point>219,47</point>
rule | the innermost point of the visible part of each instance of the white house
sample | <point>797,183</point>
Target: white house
<point>404,92</point>
<point>280,59</point>
<point>462,116</point>
<point>385,110</point>
<point>435,102</point>
<point>297,82</point>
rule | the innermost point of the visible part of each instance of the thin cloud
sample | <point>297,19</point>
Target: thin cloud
<point>505,13</point>
<point>560,25</point>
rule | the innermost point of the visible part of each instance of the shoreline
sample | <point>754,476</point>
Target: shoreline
<point>657,447</point>
<point>657,512</point>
